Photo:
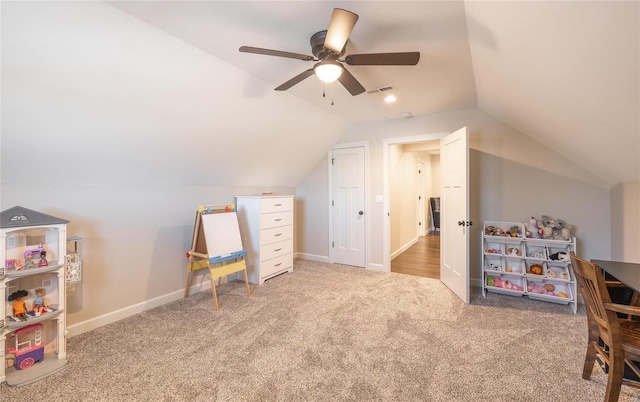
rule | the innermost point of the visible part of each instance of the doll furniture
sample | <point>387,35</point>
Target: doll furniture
<point>34,348</point>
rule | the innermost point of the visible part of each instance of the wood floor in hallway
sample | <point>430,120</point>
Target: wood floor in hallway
<point>421,259</point>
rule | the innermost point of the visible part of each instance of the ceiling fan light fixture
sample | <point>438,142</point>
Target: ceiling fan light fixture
<point>328,71</point>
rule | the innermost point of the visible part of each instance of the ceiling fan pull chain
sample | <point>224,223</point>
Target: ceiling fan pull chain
<point>332,95</point>
<point>324,87</point>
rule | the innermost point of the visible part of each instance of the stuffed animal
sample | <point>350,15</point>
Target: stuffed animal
<point>559,256</point>
<point>555,229</point>
<point>562,230</point>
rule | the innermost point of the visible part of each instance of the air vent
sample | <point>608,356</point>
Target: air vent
<point>381,89</point>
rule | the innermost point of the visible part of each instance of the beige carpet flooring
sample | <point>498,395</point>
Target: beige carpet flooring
<point>331,333</point>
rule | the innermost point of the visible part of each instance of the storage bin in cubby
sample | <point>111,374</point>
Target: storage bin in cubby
<point>503,229</point>
<point>505,283</point>
<point>494,248</point>
<point>535,251</point>
<point>558,272</point>
<point>514,266</point>
<point>541,264</point>
<point>494,264</point>
<point>556,292</point>
<point>514,250</point>
<point>551,250</point>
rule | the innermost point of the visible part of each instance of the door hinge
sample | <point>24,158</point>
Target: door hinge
<point>332,204</point>
<point>419,223</point>
<point>419,197</point>
<point>333,160</point>
<point>333,245</point>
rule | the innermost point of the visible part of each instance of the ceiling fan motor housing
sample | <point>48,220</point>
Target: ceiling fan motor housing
<point>318,49</point>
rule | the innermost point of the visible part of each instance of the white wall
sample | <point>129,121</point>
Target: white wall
<point>402,197</point>
<point>435,175</point>
<point>625,222</point>
<point>512,178</point>
<point>125,130</point>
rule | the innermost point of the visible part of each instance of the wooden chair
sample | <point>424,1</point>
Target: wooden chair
<point>621,337</point>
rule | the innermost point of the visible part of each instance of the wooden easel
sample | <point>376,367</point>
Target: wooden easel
<point>219,264</point>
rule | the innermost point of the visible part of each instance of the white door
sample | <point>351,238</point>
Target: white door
<point>348,243</point>
<point>454,212</point>
<point>421,205</point>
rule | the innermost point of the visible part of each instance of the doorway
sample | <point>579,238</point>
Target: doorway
<point>412,172</point>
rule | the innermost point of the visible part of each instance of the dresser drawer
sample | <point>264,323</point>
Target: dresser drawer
<point>268,205</point>
<point>273,250</point>
<point>275,265</point>
<point>276,219</point>
<point>273,235</point>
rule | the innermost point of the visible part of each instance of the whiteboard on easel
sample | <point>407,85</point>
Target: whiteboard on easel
<point>222,233</point>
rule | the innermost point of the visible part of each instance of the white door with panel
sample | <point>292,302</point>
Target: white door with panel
<point>454,252</point>
<point>348,242</point>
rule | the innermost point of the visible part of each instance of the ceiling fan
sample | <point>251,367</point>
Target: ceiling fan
<point>328,47</point>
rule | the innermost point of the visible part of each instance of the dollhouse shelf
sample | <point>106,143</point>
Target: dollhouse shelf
<point>34,348</point>
<point>13,325</point>
<point>47,367</point>
<point>33,271</point>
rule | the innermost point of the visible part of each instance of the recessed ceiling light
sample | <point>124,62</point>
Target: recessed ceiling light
<point>390,98</point>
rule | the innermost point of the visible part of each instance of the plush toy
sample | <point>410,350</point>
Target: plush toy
<point>545,227</point>
<point>514,251</point>
<point>559,256</point>
<point>562,230</point>
<point>555,229</point>
<point>494,267</point>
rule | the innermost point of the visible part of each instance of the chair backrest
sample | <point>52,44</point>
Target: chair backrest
<point>595,294</point>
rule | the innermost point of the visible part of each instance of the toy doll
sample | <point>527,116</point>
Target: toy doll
<point>18,265</point>
<point>19,307</point>
<point>29,263</point>
<point>39,303</point>
<point>43,259</point>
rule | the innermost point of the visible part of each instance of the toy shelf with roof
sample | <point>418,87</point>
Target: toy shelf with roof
<point>33,287</point>
<point>519,266</point>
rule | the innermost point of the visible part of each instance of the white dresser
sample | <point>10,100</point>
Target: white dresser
<point>266,228</point>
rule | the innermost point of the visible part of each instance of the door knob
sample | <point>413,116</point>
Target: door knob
<point>460,223</point>
<point>361,213</point>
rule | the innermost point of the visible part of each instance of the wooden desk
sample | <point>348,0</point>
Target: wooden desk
<point>626,272</point>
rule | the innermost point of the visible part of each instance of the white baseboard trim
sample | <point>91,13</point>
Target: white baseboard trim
<point>403,248</point>
<point>97,322</point>
<point>376,267</point>
<point>312,257</point>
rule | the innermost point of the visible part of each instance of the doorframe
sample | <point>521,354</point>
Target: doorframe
<point>367,218</point>
<point>386,205</point>
<point>421,227</point>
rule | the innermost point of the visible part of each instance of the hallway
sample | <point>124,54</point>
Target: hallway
<point>421,259</point>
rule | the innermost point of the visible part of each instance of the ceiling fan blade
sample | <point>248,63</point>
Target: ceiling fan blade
<point>383,59</point>
<point>295,80</point>
<point>279,53</point>
<point>340,27</point>
<point>350,83</point>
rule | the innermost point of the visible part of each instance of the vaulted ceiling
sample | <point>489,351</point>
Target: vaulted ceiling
<point>563,73</point>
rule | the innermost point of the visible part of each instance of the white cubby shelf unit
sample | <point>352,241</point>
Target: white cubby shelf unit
<point>516,265</point>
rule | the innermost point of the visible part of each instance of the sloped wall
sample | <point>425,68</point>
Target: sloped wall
<point>125,130</point>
